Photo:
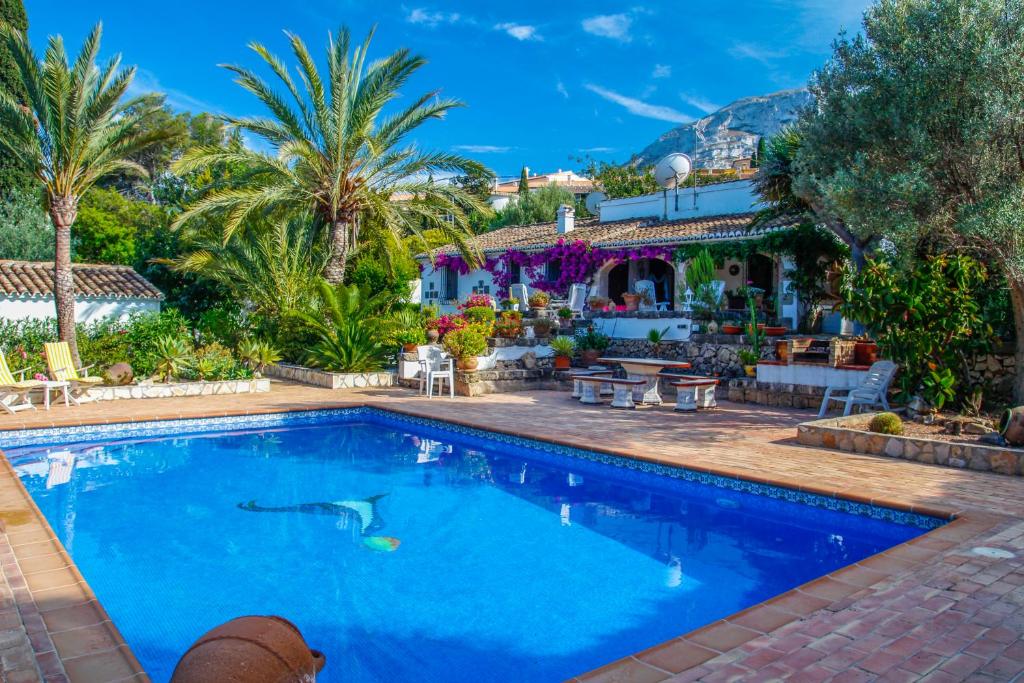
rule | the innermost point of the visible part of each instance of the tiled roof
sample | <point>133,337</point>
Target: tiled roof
<point>35,279</point>
<point>624,233</point>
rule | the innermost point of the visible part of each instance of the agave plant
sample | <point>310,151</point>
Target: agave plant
<point>349,329</point>
<point>257,354</point>
<point>173,357</point>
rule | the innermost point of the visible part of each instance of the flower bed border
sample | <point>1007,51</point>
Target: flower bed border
<point>331,380</point>
<point>843,434</point>
<point>176,389</point>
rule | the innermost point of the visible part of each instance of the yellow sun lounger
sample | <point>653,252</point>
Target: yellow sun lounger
<point>62,368</point>
<point>17,389</point>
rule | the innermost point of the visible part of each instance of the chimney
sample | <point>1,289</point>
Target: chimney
<point>566,219</point>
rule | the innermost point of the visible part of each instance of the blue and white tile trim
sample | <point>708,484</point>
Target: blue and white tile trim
<point>636,468</point>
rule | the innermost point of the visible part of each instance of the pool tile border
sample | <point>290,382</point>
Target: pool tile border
<point>655,664</point>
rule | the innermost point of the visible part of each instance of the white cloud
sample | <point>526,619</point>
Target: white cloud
<point>483,149</point>
<point>432,19</point>
<point>639,107</point>
<point>146,82</point>
<point>560,87</point>
<point>614,26</point>
<point>598,150</point>
<point>756,52</point>
<point>661,71</point>
<point>698,102</point>
<point>519,31</point>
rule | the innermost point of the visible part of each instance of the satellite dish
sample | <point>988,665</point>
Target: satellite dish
<point>671,171</point>
<point>593,201</point>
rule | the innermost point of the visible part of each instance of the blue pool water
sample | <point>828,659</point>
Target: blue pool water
<point>412,551</point>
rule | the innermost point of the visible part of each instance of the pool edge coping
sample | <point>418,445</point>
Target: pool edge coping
<point>656,663</point>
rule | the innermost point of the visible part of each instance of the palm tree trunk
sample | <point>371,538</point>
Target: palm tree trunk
<point>1017,303</point>
<point>63,211</point>
<point>340,245</point>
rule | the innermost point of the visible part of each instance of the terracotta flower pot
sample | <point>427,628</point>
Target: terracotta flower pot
<point>731,329</point>
<point>468,364</point>
<point>1011,426</point>
<point>775,331</point>
<point>562,362</point>
<point>409,348</point>
<point>250,650</point>
<point>632,301</point>
<point>782,350</point>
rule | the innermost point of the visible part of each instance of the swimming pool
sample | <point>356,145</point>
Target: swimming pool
<point>409,549</point>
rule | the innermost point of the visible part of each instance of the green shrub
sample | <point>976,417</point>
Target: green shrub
<point>479,314</point>
<point>886,423</point>
<point>213,363</point>
<point>465,343</point>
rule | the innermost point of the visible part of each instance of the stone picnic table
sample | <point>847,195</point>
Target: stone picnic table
<point>647,369</point>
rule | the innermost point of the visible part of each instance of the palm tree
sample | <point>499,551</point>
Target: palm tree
<point>73,130</point>
<point>337,154</point>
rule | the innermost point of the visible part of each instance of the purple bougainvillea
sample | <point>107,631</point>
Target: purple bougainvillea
<point>579,263</point>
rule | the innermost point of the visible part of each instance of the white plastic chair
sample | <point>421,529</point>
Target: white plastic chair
<point>439,367</point>
<point>519,291</point>
<point>871,392</point>
<point>577,299</point>
<point>645,288</point>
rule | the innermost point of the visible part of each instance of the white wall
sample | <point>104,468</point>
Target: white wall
<point>679,329</point>
<point>86,310</point>
<point>712,200</point>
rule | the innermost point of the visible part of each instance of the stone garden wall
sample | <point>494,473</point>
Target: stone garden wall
<point>331,380</point>
<point>850,434</point>
<point>996,371</point>
<point>710,354</point>
<point>173,389</point>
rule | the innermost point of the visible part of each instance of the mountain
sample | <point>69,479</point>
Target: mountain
<point>731,132</point>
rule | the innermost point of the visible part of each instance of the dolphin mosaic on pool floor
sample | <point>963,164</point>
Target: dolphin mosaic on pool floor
<point>929,609</point>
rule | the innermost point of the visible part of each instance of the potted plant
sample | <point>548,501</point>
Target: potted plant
<point>599,303</point>
<point>565,315</point>
<point>510,304</point>
<point>542,327</point>
<point>775,330</point>
<point>539,300</point>
<point>509,325</point>
<point>731,328</point>
<point>749,361</point>
<point>591,345</point>
<point>466,345</point>
<point>410,338</point>
<point>632,300</point>
<point>656,339</point>
<point>563,348</point>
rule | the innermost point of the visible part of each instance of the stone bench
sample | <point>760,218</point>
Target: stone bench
<point>694,392</point>
<point>623,388</point>
<point>577,386</point>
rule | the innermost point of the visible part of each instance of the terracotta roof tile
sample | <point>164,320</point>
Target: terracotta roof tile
<point>629,232</point>
<point>35,279</point>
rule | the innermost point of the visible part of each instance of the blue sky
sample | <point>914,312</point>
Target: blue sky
<point>543,82</point>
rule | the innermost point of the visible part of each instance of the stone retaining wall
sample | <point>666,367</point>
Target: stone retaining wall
<point>715,355</point>
<point>749,390</point>
<point>331,380</point>
<point>850,434</point>
<point>129,391</point>
<point>995,371</point>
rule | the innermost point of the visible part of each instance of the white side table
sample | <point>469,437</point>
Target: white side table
<point>49,386</point>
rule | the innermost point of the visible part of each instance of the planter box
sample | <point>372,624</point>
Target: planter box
<point>331,380</point>
<point>850,434</point>
<point>170,390</point>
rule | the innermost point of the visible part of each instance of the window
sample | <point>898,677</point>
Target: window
<point>515,273</point>
<point>553,270</point>
<point>449,284</point>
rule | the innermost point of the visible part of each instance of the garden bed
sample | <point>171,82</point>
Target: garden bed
<point>331,380</point>
<point>851,434</point>
<point>175,389</point>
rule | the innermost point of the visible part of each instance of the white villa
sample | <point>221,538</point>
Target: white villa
<point>503,191</point>
<point>101,291</point>
<point>639,236</point>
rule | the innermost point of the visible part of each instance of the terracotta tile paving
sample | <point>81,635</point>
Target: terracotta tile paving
<point>928,610</point>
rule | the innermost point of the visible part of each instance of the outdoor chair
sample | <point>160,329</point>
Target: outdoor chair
<point>519,291</point>
<point>645,288</point>
<point>62,369</point>
<point>16,389</point>
<point>871,392</point>
<point>438,367</point>
<point>577,299</point>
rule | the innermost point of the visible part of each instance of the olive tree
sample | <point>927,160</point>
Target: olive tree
<point>917,134</point>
